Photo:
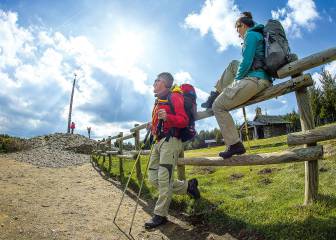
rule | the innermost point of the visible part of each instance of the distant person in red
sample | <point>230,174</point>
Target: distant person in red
<point>72,127</point>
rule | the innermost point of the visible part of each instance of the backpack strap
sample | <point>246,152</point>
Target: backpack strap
<point>170,103</point>
<point>171,130</point>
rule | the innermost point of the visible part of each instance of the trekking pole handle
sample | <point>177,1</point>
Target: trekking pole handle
<point>159,126</point>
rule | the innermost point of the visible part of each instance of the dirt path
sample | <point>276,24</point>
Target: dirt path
<point>72,203</point>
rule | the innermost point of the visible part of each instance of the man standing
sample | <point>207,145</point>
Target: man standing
<point>165,127</point>
<point>89,132</point>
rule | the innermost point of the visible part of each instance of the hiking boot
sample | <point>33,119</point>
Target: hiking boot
<point>155,221</point>
<point>193,189</point>
<point>235,149</point>
<point>208,104</point>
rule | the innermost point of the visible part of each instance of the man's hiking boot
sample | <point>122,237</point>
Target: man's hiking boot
<point>208,104</point>
<point>155,222</point>
<point>193,188</point>
<point>235,149</point>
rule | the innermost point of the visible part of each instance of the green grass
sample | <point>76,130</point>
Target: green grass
<point>255,205</point>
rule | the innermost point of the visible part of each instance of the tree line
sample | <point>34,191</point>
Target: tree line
<point>323,99</point>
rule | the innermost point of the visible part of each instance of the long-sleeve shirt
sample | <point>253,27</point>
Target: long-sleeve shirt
<point>253,46</point>
<point>176,120</point>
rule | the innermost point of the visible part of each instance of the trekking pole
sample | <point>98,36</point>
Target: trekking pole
<point>246,130</point>
<point>129,178</point>
<point>138,196</point>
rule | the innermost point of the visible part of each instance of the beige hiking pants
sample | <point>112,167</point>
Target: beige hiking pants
<point>232,94</point>
<point>161,173</point>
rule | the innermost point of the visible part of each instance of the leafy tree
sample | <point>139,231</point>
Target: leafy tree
<point>219,136</point>
<point>294,119</point>
<point>315,100</point>
<point>328,84</point>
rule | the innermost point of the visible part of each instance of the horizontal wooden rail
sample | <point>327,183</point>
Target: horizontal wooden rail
<point>140,127</point>
<point>115,137</point>
<point>125,137</point>
<point>287,156</point>
<point>128,153</point>
<point>271,92</point>
<point>143,152</point>
<point>312,136</point>
<point>308,62</point>
<point>112,152</point>
<point>125,156</point>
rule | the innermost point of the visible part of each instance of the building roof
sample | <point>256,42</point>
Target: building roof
<point>262,120</point>
<point>267,119</point>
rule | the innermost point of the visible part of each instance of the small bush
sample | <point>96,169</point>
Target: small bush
<point>11,144</point>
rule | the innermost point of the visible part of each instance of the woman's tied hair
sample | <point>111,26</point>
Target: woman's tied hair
<point>245,18</point>
<point>167,78</point>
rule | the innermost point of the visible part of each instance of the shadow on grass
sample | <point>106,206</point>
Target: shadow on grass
<point>208,218</point>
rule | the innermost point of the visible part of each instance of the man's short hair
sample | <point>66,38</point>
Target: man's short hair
<point>168,79</point>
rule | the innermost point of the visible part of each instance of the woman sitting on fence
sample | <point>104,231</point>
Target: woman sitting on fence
<point>239,82</point>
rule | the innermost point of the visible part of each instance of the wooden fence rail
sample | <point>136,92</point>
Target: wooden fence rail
<point>309,153</point>
<point>312,136</point>
<point>287,156</point>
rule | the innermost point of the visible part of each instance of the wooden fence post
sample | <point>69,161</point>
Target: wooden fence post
<point>109,155</point>
<point>181,168</point>
<point>311,167</point>
<point>138,147</point>
<point>121,167</point>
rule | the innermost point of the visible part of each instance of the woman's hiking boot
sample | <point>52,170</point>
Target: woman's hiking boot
<point>208,104</point>
<point>235,149</point>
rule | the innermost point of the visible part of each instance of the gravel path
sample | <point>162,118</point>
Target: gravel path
<point>50,191</point>
<point>75,203</point>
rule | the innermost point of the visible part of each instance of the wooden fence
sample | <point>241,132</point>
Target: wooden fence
<point>310,152</point>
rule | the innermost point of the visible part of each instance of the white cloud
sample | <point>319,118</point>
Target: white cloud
<point>37,68</point>
<point>14,40</point>
<point>217,17</point>
<point>316,77</point>
<point>330,67</point>
<point>183,77</point>
<point>238,115</point>
<point>296,15</point>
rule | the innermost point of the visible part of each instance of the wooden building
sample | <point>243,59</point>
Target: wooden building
<point>264,126</point>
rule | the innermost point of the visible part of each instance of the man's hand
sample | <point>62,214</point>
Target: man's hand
<point>162,114</point>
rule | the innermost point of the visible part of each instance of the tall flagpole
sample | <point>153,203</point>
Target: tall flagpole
<point>71,100</point>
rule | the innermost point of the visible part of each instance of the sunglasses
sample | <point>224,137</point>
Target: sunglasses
<point>239,26</point>
<point>157,80</point>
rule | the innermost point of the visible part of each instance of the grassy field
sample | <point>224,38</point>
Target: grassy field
<point>257,202</point>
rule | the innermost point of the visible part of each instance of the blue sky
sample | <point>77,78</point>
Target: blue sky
<point>118,47</point>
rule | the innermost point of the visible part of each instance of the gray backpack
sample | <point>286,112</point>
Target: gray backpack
<point>277,51</point>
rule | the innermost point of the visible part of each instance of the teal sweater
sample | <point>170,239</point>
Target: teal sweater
<point>253,45</point>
